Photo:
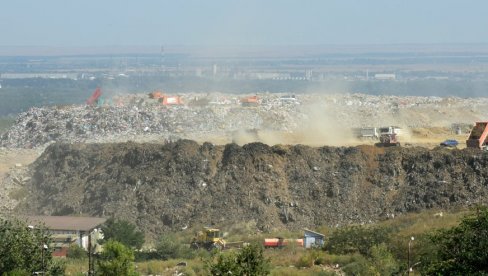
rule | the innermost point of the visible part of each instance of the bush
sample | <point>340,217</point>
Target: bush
<point>359,265</point>
<point>123,232</point>
<point>249,260</point>
<point>169,248</point>
<point>76,252</point>
<point>22,248</point>
<point>17,272</point>
<point>116,259</point>
<point>360,239</point>
<point>57,267</point>
<point>310,258</point>
<point>462,250</point>
<point>382,260</point>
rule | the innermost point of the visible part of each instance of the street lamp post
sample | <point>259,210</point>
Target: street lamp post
<point>409,268</point>
<point>44,249</point>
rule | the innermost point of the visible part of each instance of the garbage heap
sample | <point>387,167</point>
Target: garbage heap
<point>138,118</point>
<point>42,125</point>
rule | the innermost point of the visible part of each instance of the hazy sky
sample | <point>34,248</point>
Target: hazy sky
<point>236,22</point>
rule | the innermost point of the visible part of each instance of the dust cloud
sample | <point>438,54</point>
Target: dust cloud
<point>321,127</point>
<point>318,127</point>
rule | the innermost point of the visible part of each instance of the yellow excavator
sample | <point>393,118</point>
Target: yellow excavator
<point>208,238</point>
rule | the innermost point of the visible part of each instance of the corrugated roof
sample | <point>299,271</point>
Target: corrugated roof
<point>66,222</point>
<point>313,232</point>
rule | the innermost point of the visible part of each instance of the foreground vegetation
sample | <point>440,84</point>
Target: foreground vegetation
<point>453,243</point>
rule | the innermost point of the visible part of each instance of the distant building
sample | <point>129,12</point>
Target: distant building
<point>72,76</point>
<point>309,74</point>
<point>385,76</point>
<point>67,231</point>
<point>268,76</point>
<point>313,239</point>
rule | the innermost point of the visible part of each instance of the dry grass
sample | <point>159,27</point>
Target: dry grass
<point>76,267</point>
<point>419,223</point>
<point>293,260</point>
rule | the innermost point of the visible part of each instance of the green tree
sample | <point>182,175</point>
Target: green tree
<point>248,261</point>
<point>124,232</point>
<point>359,265</point>
<point>351,239</point>
<point>25,249</point>
<point>76,252</point>
<point>168,247</point>
<point>382,260</point>
<point>462,250</point>
<point>116,260</point>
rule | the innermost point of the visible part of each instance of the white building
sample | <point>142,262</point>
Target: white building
<point>385,76</point>
<point>66,230</point>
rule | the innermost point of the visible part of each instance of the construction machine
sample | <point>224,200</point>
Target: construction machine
<point>208,238</point>
<point>389,136</point>
<point>250,101</point>
<point>95,98</point>
<point>164,99</point>
<point>388,140</point>
<point>478,138</point>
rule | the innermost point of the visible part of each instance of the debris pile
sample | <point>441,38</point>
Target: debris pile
<point>139,118</point>
<point>73,124</point>
<point>184,184</point>
<point>13,177</point>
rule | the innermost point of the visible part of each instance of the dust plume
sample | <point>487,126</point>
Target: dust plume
<point>321,126</point>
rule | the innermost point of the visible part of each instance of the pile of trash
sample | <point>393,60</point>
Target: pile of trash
<point>185,184</point>
<point>138,118</point>
<point>40,126</point>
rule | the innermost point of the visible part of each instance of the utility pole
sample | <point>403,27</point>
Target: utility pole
<point>409,268</point>
<point>91,271</point>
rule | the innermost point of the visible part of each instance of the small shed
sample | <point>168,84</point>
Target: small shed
<point>313,239</point>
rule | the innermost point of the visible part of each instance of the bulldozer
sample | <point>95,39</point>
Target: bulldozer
<point>208,238</point>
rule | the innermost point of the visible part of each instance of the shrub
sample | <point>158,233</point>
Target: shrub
<point>382,260</point>
<point>57,267</point>
<point>76,252</point>
<point>359,265</point>
<point>249,260</point>
<point>352,239</point>
<point>116,259</point>
<point>17,272</point>
<point>462,250</point>
<point>169,248</point>
<point>123,232</point>
<point>22,248</point>
<point>310,258</point>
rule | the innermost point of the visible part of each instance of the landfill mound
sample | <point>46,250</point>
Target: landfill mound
<point>185,184</point>
<point>313,119</point>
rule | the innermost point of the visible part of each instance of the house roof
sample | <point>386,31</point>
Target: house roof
<point>313,233</point>
<point>66,222</point>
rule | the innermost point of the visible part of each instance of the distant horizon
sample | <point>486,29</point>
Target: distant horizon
<point>242,22</point>
<point>52,50</point>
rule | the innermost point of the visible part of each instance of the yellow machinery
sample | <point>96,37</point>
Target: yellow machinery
<point>208,238</point>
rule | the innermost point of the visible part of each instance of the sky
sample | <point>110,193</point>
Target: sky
<point>238,22</point>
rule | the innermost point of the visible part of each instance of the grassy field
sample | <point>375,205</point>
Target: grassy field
<point>295,260</point>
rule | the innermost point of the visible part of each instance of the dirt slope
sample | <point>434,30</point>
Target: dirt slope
<point>163,187</point>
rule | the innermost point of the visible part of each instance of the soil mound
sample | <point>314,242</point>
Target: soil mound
<point>167,187</point>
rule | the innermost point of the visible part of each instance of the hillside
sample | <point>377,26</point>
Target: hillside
<point>171,186</point>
